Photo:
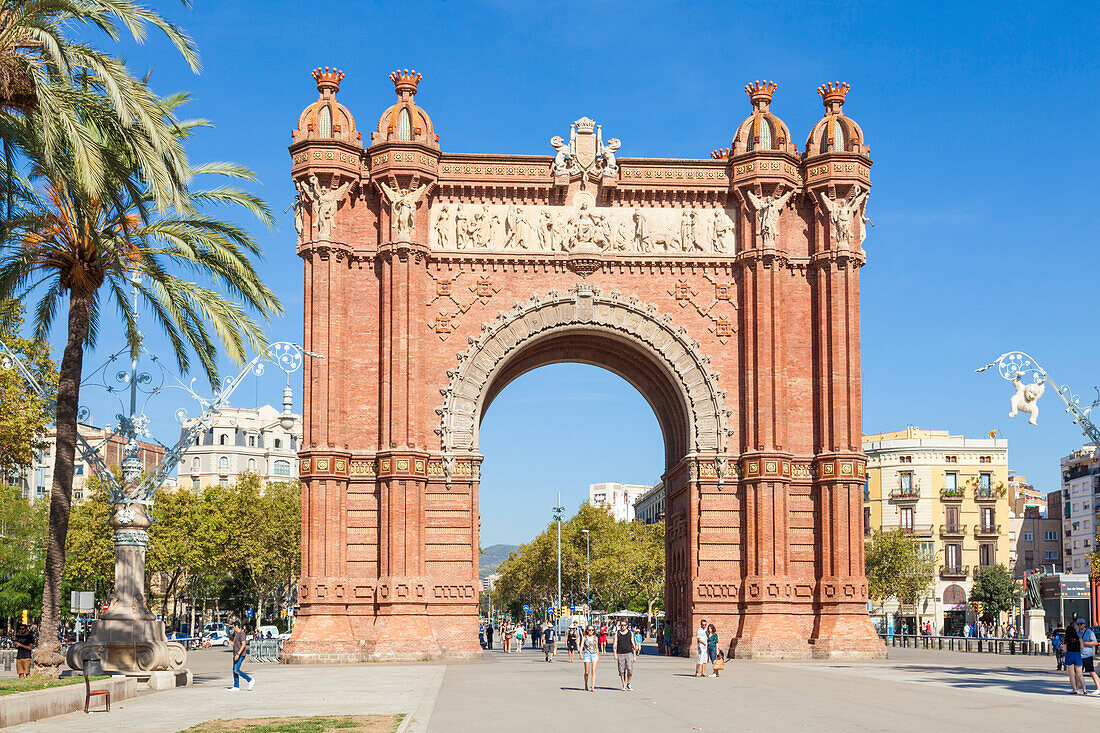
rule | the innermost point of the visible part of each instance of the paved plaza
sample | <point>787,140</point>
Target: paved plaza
<point>914,690</point>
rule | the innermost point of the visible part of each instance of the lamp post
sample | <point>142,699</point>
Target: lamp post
<point>559,510</point>
<point>1012,365</point>
<point>587,569</point>
<point>128,637</point>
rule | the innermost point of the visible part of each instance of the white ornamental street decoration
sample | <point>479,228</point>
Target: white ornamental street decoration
<point>1027,396</point>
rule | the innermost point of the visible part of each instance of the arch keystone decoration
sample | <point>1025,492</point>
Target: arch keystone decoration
<point>582,307</point>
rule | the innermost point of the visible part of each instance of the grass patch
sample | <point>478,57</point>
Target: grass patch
<point>30,684</point>
<point>307,724</point>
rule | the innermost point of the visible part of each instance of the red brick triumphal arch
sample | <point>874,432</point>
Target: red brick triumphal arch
<point>725,289</point>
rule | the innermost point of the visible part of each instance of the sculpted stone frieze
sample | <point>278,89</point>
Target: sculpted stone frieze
<point>504,228</point>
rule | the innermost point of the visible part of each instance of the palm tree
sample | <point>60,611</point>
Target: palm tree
<point>67,243</point>
<point>67,84</point>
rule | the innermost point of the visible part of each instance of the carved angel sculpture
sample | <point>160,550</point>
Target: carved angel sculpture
<point>402,209</point>
<point>767,213</point>
<point>327,200</point>
<point>843,212</point>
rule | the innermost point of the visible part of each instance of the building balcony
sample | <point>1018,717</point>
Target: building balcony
<point>905,495</point>
<point>955,573</point>
<point>952,530</point>
<point>955,494</point>
<point>988,494</point>
<point>987,530</point>
<point>919,530</point>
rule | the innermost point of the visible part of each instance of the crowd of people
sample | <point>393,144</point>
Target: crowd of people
<point>1075,652</point>
<point>587,643</point>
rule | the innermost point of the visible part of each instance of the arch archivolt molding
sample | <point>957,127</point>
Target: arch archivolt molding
<point>587,307</point>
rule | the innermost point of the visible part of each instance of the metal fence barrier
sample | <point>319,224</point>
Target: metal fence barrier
<point>265,650</point>
<point>966,644</point>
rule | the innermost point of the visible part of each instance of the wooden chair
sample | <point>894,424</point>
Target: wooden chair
<point>90,693</point>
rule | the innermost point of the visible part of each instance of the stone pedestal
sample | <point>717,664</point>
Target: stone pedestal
<point>1035,624</point>
<point>128,638</point>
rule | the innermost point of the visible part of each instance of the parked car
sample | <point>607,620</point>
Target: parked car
<point>216,627</point>
<point>187,640</point>
<point>216,638</point>
<point>268,632</point>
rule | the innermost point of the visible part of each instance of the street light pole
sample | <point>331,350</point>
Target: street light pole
<point>587,568</point>
<point>558,511</point>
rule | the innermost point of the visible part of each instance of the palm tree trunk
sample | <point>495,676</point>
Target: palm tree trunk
<point>47,655</point>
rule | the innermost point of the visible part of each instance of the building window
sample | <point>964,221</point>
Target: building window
<point>907,518</point>
<point>1050,555</point>
<point>951,481</point>
<point>404,125</point>
<point>906,459</point>
<point>223,462</point>
<point>987,518</point>
<point>906,479</point>
<point>951,514</point>
<point>222,440</point>
<point>985,459</point>
<point>1028,537</point>
<point>983,481</point>
<point>223,481</point>
<point>251,441</point>
<point>951,555</point>
<point>282,468</point>
<point>866,520</point>
<point>251,464</point>
<point>951,459</point>
<point>78,496</point>
<point>986,554</point>
<point>1029,560</point>
<point>195,463</point>
<point>278,443</point>
<point>1050,536</point>
<point>195,485</point>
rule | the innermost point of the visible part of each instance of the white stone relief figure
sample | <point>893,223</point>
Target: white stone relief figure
<point>723,232</point>
<point>586,225</point>
<point>462,230</point>
<point>610,164</point>
<point>698,232</point>
<point>1027,396</point>
<point>843,212</point>
<point>516,229</point>
<point>641,240</point>
<point>479,229</point>
<point>301,201</point>
<point>403,209</point>
<point>444,229</point>
<point>544,230</point>
<point>494,232</point>
<point>563,161</point>
<point>767,213</point>
<point>624,236</point>
<point>864,222</point>
<point>326,201</point>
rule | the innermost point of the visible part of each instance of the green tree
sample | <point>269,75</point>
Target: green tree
<point>89,546</point>
<point>93,251</point>
<point>996,589</point>
<point>173,551</point>
<point>22,552</point>
<point>70,96</point>
<point>23,414</point>
<point>897,567</point>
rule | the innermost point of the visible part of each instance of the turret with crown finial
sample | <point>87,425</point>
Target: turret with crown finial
<point>405,121</point>
<point>327,119</point>
<point>328,80</point>
<point>761,130</point>
<point>835,133</point>
<point>405,82</point>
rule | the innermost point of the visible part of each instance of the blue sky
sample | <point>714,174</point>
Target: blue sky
<point>981,119</point>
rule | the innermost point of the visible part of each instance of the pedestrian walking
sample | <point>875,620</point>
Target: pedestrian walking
<point>637,642</point>
<point>603,637</point>
<point>1073,660</point>
<point>701,649</point>
<point>573,639</point>
<point>549,646</point>
<point>590,655</point>
<point>24,648</point>
<point>1088,656</point>
<point>668,639</point>
<point>712,648</point>
<point>626,649</point>
<point>520,634</point>
<point>239,639</point>
<point>489,635</point>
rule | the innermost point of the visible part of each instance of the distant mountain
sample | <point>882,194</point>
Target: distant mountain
<point>493,556</point>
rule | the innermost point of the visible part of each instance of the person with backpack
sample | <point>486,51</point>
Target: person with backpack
<point>1088,655</point>
<point>1057,643</point>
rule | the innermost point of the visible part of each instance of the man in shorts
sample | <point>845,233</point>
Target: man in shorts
<point>625,648</point>
<point>549,646</point>
<point>24,645</point>
<point>701,649</point>
<point>1088,656</point>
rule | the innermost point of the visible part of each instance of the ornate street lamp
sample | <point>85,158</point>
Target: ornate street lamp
<point>128,637</point>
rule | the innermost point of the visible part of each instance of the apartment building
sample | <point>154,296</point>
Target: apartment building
<point>619,498</point>
<point>650,506</point>
<point>950,493</point>
<point>259,440</point>
<point>1080,507</point>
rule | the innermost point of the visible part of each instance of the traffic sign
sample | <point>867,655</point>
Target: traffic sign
<point>526,608</point>
<point>104,607</point>
<point>248,613</point>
